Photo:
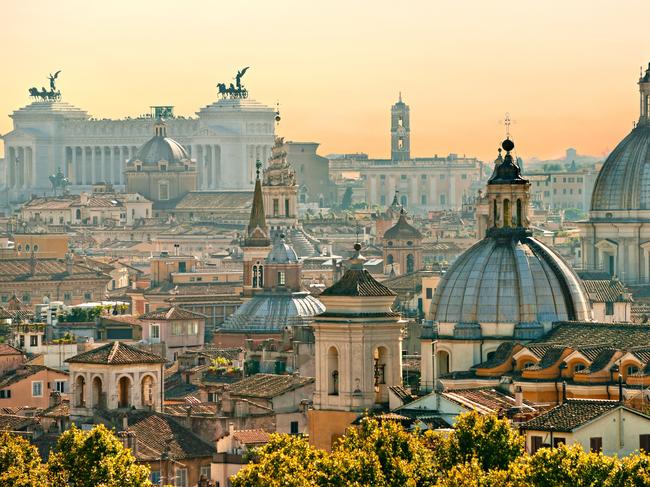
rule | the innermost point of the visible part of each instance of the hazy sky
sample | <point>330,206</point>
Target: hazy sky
<point>565,70</point>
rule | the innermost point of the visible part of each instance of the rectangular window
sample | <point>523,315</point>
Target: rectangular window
<point>5,298</point>
<point>535,443</point>
<point>88,296</point>
<point>59,386</point>
<point>596,444</point>
<point>609,309</point>
<point>181,477</point>
<point>37,388</point>
<point>463,176</point>
<point>382,177</point>
<point>205,472</point>
<point>154,332</point>
<point>423,199</point>
<point>163,191</point>
<point>429,293</point>
<point>281,278</point>
<point>213,397</point>
<point>403,176</point>
<point>579,180</point>
<point>5,394</point>
<point>644,443</point>
<point>193,328</point>
<point>154,476</point>
<point>558,440</point>
<point>276,207</point>
<point>286,207</point>
<point>33,340</point>
<point>294,427</point>
<point>442,176</point>
<point>382,201</point>
<point>424,176</point>
<point>177,329</point>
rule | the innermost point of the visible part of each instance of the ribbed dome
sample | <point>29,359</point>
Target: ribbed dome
<point>160,148</point>
<point>624,180</point>
<point>402,230</point>
<point>272,312</point>
<point>509,280</point>
<point>282,253</point>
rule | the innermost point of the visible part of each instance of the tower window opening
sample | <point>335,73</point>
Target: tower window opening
<point>519,214</point>
<point>506,213</point>
<point>495,213</point>
<point>400,121</point>
<point>281,278</point>
<point>400,143</point>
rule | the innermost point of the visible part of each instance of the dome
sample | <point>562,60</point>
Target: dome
<point>624,180</point>
<point>161,148</point>
<point>282,253</point>
<point>402,230</point>
<point>509,280</point>
<point>272,312</point>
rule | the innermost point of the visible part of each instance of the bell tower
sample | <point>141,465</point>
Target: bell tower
<point>358,357</point>
<point>508,195</point>
<point>400,131</point>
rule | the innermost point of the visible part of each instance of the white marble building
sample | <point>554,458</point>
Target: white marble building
<point>225,138</point>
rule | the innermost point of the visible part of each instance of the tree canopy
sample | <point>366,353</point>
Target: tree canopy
<point>481,451</point>
<point>20,463</point>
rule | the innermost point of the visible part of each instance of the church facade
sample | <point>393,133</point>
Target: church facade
<point>225,138</point>
<point>616,238</point>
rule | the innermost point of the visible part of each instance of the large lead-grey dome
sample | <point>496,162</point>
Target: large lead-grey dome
<point>624,180</point>
<point>517,281</point>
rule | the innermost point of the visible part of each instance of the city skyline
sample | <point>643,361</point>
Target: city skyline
<point>336,75</point>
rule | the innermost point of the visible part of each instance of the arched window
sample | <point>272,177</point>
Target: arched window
<point>78,214</point>
<point>410,263</point>
<point>506,213</point>
<point>281,278</point>
<point>260,275</point>
<point>389,259</point>
<point>579,367</point>
<point>80,392</point>
<point>632,369</point>
<point>124,392</point>
<point>254,276</point>
<point>147,391</point>
<point>98,395</point>
<point>333,371</point>
<point>520,217</point>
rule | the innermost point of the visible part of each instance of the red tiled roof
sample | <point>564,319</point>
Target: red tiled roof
<point>268,386</point>
<point>116,353</point>
<point>173,313</point>
<point>571,415</point>
<point>251,437</point>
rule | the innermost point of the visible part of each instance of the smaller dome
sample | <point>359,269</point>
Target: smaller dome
<point>282,253</point>
<point>272,312</point>
<point>402,230</point>
<point>161,148</point>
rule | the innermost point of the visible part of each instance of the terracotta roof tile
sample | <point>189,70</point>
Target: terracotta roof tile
<point>116,353</point>
<point>571,415</point>
<point>252,437</point>
<point>173,313</point>
<point>607,291</point>
<point>268,386</point>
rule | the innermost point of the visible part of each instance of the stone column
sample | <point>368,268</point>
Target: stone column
<point>93,175</point>
<point>75,169</point>
<point>216,166</point>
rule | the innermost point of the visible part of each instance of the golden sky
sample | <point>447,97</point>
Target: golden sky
<point>566,70</point>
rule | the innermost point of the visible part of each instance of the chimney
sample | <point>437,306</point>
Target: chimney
<point>620,389</point>
<point>231,429</point>
<point>519,396</point>
<point>125,422</point>
<point>55,398</point>
<point>69,261</point>
<point>563,392</point>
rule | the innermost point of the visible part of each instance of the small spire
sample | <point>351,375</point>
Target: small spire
<point>258,167</point>
<point>400,97</point>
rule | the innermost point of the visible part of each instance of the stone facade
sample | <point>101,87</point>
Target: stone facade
<point>225,140</point>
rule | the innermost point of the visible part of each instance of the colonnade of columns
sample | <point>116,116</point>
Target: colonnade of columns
<point>86,165</point>
<point>208,164</point>
<point>20,167</point>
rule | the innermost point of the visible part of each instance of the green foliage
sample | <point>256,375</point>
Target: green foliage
<point>492,441</point>
<point>94,458</point>
<point>20,463</point>
<point>382,454</point>
<point>286,461</point>
<point>81,315</point>
<point>482,451</point>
